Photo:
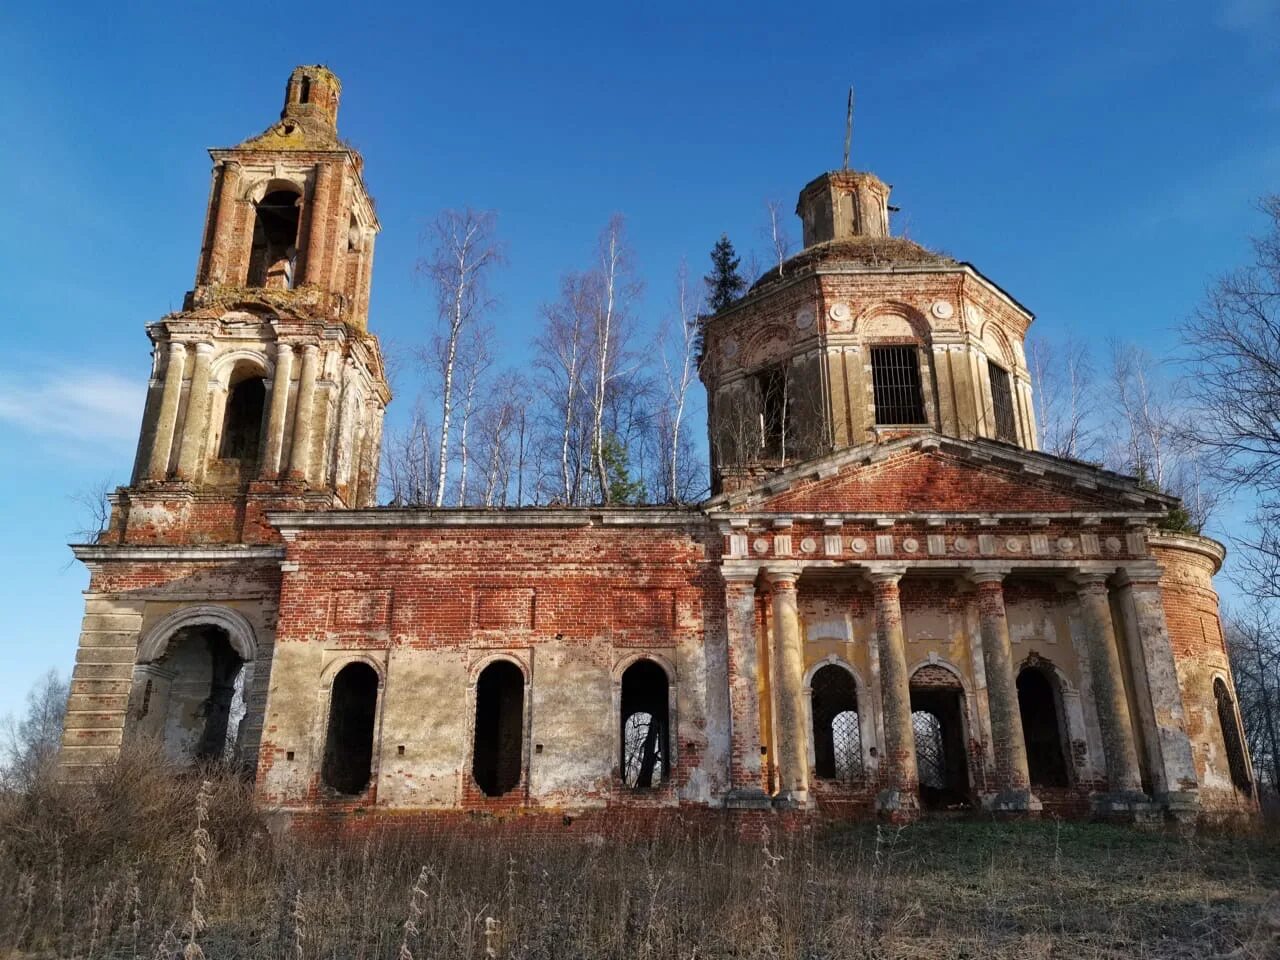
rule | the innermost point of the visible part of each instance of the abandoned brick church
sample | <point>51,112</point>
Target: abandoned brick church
<point>891,603</point>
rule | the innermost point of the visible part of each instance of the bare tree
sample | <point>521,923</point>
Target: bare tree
<point>94,509</point>
<point>614,288</point>
<point>677,348</point>
<point>464,250</point>
<point>475,362</point>
<point>776,231</point>
<point>1064,379</point>
<point>562,359</point>
<point>29,744</point>
<point>409,464</point>
<point>1152,437</point>
<point>1254,644</point>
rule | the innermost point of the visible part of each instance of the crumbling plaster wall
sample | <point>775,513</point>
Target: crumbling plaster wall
<point>572,606</point>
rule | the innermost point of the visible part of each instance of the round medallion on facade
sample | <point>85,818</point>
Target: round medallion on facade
<point>1013,545</point>
<point>942,309</point>
<point>858,545</point>
<point>961,544</point>
<point>808,545</point>
<point>841,316</point>
<point>1113,544</point>
<point>910,545</point>
<point>761,545</point>
<point>1066,544</point>
<point>729,348</point>
<point>804,317</point>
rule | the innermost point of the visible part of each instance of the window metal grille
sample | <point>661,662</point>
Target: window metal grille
<point>931,758</point>
<point>895,379</point>
<point>1231,737</point>
<point>846,738</point>
<point>1002,403</point>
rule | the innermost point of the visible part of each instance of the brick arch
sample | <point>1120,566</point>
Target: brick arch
<point>919,325</point>
<point>933,674</point>
<point>479,666</point>
<point>754,353</point>
<point>993,336</point>
<point>255,189</point>
<point>226,364</point>
<point>239,631</point>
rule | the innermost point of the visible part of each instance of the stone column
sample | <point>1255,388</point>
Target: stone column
<point>745,771</point>
<point>1123,777</point>
<point>900,796</point>
<point>788,700</point>
<point>315,259</point>
<point>1013,779</point>
<point>195,428</point>
<point>220,253</point>
<point>1139,592</point>
<point>166,420</point>
<point>369,452</point>
<point>300,453</point>
<point>279,407</point>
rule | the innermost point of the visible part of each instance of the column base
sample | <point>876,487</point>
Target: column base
<point>1127,807</point>
<point>1181,806</point>
<point>898,806</point>
<point>791,800</point>
<point>747,798</point>
<point>1014,802</point>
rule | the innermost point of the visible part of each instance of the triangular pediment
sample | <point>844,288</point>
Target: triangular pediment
<point>929,474</point>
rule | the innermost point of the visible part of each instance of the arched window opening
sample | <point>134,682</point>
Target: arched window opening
<point>304,90</point>
<point>498,750</point>
<point>645,725</point>
<point>1231,738</point>
<point>275,240</point>
<point>201,696</point>
<point>895,381</point>
<point>242,423</point>
<point>837,738</point>
<point>1002,403</point>
<point>937,720</point>
<point>1038,703</point>
<point>348,742</point>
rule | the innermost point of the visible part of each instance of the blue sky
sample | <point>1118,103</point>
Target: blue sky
<point>1099,161</point>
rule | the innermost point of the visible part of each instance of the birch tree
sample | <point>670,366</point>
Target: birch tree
<point>1063,373</point>
<point>678,340</point>
<point>464,251</point>
<point>562,357</point>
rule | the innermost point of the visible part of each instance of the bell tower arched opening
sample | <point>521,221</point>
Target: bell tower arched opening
<point>274,255</point>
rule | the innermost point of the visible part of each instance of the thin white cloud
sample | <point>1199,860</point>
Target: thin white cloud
<point>91,406</point>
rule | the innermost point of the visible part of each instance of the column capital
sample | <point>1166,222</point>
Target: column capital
<point>782,577</point>
<point>177,348</point>
<point>1090,580</point>
<point>310,349</point>
<point>203,348</point>
<point>230,163</point>
<point>283,347</point>
<point>886,575</point>
<point>988,575</point>
<point>739,575</point>
<point>1139,574</point>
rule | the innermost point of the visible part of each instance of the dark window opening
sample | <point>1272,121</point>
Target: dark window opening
<point>895,380</point>
<point>937,720</point>
<point>199,711</point>
<point>242,424</point>
<point>304,90</point>
<point>1002,403</point>
<point>498,750</point>
<point>1038,703</point>
<point>275,241</point>
<point>348,743</point>
<point>1231,738</point>
<point>775,411</point>
<point>645,725</point>
<point>837,739</point>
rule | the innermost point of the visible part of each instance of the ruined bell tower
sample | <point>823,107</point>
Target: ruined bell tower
<point>267,390</point>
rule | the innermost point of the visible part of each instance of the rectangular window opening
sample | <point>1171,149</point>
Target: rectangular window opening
<point>775,411</point>
<point>895,379</point>
<point>1002,403</point>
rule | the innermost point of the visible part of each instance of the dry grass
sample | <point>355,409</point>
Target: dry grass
<point>114,871</point>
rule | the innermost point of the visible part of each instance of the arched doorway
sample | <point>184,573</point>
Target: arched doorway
<point>348,743</point>
<point>646,725</point>
<point>192,697</point>
<point>498,745</point>
<point>938,722</point>
<point>837,736</point>
<point>1041,708</point>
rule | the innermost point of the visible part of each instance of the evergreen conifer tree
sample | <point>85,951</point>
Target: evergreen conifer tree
<point>724,283</point>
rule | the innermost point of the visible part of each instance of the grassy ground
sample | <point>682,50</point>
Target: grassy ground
<point>108,872</point>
